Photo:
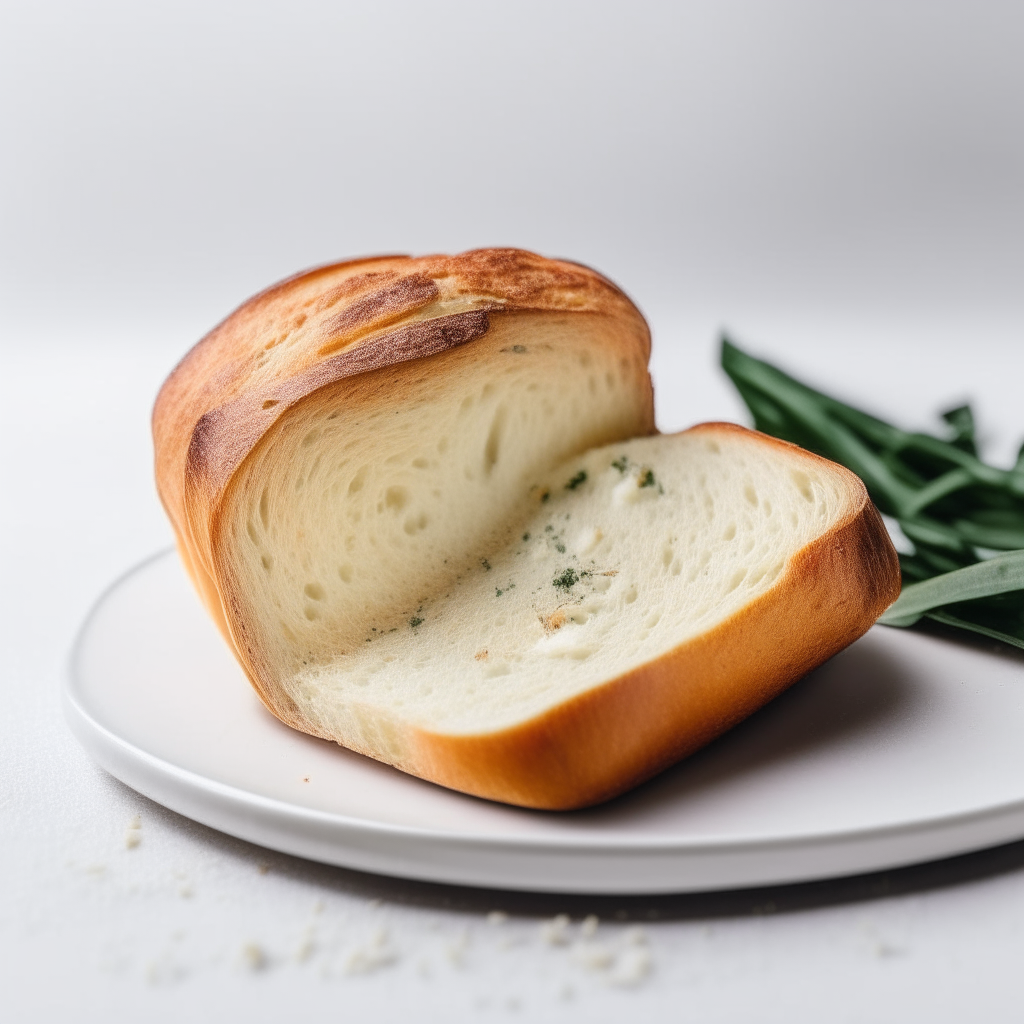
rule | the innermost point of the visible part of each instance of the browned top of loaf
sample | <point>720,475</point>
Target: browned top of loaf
<point>334,322</point>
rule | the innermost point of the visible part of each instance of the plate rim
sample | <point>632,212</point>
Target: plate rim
<point>100,741</point>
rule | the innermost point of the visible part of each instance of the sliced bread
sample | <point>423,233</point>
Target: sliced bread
<point>446,539</point>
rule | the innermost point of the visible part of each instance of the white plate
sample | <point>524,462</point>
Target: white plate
<point>903,748</point>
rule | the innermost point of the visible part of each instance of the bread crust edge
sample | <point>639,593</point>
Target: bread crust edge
<point>613,737</point>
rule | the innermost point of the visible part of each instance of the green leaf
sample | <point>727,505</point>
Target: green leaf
<point>961,419</point>
<point>998,575</point>
<point>935,534</point>
<point>940,487</point>
<point>976,627</point>
<point>989,536</point>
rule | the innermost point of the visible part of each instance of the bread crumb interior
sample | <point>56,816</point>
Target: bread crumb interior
<point>620,555</point>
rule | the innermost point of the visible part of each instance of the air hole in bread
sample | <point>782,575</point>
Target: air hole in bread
<point>356,483</point>
<point>492,449</point>
<point>396,498</point>
<point>413,524</point>
<point>803,484</point>
<point>736,579</point>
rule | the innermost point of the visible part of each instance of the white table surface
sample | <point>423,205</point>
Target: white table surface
<point>840,183</point>
<point>191,922</point>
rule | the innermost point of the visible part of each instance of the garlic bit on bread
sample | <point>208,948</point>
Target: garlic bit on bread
<point>426,504</point>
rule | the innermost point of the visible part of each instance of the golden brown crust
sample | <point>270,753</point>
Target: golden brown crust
<point>614,737</point>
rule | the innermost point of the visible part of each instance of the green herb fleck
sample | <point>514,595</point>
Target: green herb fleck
<point>526,536</point>
<point>545,496</point>
<point>647,479</point>
<point>497,592</point>
<point>485,564</point>
<point>559,547</point>
<point>567,580</point>
<point>549,528</point>
<point>415,621</point>
<point>621,464</point>
<point>519,349</point>
<point>579,478</point>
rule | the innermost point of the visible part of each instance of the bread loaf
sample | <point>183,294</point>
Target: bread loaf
<point>425,503</point>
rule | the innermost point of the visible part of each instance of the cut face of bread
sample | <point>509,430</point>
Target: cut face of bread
<point>613,560</point>
<point>369,498</point>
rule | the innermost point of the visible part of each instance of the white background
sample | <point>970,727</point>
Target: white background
<point>840,184</point>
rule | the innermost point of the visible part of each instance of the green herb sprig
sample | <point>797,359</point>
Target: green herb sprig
<point>964,517</point>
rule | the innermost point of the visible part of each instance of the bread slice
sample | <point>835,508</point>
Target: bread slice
<point>422,501</point>
<point>644,597</point>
